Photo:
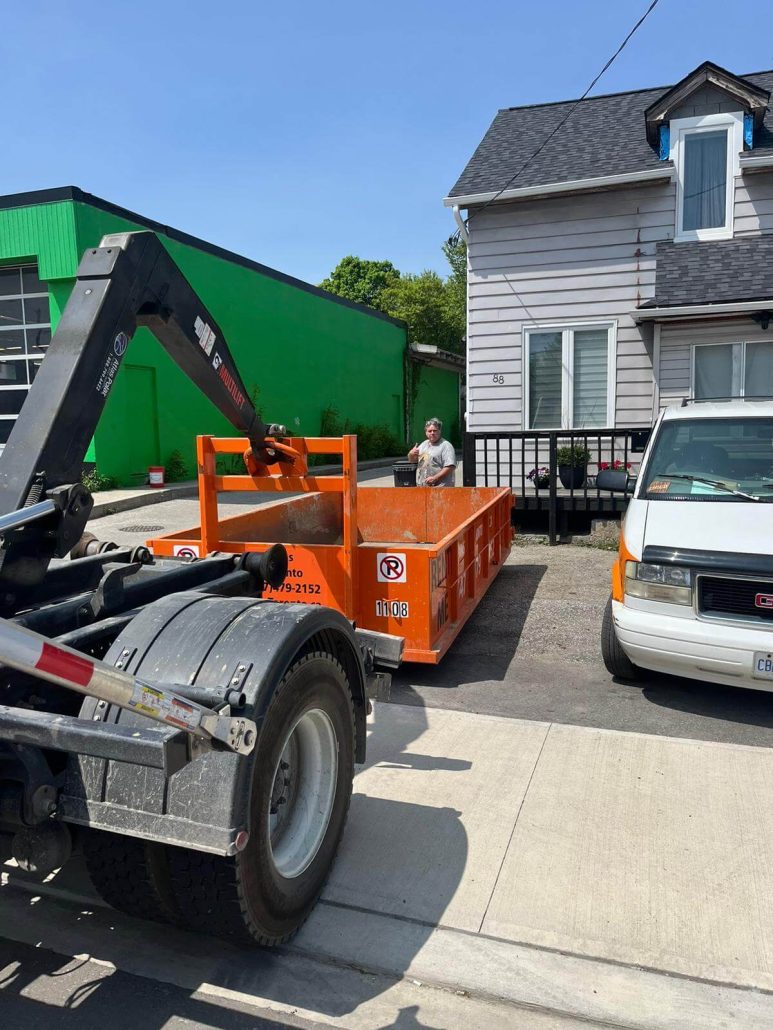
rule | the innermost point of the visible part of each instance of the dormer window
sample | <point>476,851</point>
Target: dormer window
<point>705,153</point>
<point>704,197</point>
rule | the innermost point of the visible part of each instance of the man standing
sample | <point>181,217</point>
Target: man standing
<point>436,457</point>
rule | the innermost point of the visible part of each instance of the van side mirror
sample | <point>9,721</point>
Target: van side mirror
<point>613,479</point>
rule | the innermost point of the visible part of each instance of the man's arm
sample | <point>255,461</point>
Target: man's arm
<point>440,476</point>
<point>413,453</point>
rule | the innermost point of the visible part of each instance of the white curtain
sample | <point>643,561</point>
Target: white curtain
<point>714,371</point>
<point>591,354</point>
<point>545,380</point>
<point>759,370</point>
<point>705,180</point>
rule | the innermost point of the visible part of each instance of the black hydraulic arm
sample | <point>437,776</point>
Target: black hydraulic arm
<point>130,280</point>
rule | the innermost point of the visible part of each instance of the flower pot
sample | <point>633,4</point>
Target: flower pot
<point>571,476</point>
<point>542,483</point>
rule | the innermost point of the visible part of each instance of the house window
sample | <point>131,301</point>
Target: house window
<point>723,370</point>
<point>705,154</point>
<point>25,333</point>
<point>570,377</point>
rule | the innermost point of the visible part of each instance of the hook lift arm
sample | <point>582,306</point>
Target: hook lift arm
<point>129,281</point>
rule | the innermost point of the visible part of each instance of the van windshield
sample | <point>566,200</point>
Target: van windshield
<point>711,459</point>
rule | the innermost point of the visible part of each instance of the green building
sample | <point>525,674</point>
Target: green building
<point>304,354</point>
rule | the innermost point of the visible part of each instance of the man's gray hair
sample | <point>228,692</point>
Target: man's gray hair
<point>434,422</point>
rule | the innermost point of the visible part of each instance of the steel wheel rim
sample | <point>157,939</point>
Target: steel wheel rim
<point>303,793</point>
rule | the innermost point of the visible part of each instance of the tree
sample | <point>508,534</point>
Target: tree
<point>434,309</point>
<point>422,303</point>
<point>361,280</point>
<point>455,250</point>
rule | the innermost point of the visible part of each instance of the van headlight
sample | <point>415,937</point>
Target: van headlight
<point>658,582</point>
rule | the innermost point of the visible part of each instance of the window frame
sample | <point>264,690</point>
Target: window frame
<point>739,365</point>
<point>567,330</point>
<point>681,129</point>
<point>28,356</point>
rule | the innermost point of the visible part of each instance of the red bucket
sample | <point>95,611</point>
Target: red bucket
<point>156,475</point>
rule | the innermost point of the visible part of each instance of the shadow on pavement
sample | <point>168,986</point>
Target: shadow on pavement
<point>397,858</point>
<point>41,989</point>
<point>488,642</point>
<point>730,704</point>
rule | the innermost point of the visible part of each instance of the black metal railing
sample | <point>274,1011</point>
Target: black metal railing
<point>529,462</point>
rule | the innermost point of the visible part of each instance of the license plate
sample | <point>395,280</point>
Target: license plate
<point>763,665</point>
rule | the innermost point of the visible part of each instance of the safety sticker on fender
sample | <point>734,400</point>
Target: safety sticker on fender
<point>154,703</point>
<point>390,568</point>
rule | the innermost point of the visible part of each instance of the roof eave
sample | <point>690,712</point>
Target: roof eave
<point>751,162</point>
<point>430,354</point>
<point>600,182</point>
<point>687,311</point>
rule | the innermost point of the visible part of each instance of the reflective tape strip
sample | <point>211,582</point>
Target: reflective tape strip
<point>71,667</point>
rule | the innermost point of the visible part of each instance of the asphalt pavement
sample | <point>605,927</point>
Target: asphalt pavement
<point>531,650</point>
<point>530,845</point>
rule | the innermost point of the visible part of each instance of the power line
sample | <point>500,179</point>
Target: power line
<point>569,114</point>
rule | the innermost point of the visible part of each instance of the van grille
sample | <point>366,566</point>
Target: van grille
<point>718,595</point>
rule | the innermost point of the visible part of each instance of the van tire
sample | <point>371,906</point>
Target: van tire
<point>615,659</point>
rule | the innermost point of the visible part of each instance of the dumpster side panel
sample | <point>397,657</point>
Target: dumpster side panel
<point>394,590</point>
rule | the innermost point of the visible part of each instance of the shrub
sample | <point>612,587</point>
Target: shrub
<point>372,441</point>
<point>572,456</point>
<point>94,481</point>
<point>175,468</point>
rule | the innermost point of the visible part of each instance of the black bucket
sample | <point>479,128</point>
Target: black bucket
<point>405,473</point>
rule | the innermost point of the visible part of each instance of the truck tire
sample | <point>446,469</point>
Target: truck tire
<point>131,875</point>
<point>615,659</point>
<point>301,788</point>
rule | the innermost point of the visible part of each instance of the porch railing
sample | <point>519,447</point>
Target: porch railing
<point>517,459</point>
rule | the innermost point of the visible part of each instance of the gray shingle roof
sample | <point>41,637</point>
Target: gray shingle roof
<point>713,272</point>
<point>604,136</point>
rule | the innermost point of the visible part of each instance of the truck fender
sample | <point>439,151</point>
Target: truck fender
<point>204,641</point>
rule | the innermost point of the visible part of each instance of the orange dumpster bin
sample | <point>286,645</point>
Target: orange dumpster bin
<point>413,563</point>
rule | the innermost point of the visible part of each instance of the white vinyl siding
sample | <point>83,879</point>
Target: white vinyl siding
<point>562,260</point>
<point>585,258</point>
<point>753,212</point>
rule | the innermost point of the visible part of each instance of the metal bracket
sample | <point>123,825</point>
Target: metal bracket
<point>378,686</point>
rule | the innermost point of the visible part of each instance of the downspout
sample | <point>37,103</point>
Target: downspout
<point>461,224</point>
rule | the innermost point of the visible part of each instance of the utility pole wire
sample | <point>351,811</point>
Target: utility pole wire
<point>569,113</point>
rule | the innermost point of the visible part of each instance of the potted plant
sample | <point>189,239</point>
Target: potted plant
<point>540,476</point>
<point>572,465</point>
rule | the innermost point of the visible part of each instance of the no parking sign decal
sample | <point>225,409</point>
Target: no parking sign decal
<point>390,568</point>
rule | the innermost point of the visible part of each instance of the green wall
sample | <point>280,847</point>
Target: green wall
<point>45,234</point>
<point>298,352</point>
<point>434,394</point>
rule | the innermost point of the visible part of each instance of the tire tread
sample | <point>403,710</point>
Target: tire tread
<point>209,888</point>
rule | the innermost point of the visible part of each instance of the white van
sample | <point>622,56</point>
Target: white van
<point>692,589</point>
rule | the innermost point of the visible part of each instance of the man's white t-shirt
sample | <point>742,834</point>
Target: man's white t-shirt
<point>432,458</point>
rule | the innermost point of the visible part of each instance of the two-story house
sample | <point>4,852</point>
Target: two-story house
<point>620,255</point>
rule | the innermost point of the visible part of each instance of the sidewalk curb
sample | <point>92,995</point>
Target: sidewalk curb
<point>565,983</point>
<point>140,498</point>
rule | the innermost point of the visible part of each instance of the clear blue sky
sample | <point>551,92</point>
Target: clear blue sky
<point>297,133</point>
